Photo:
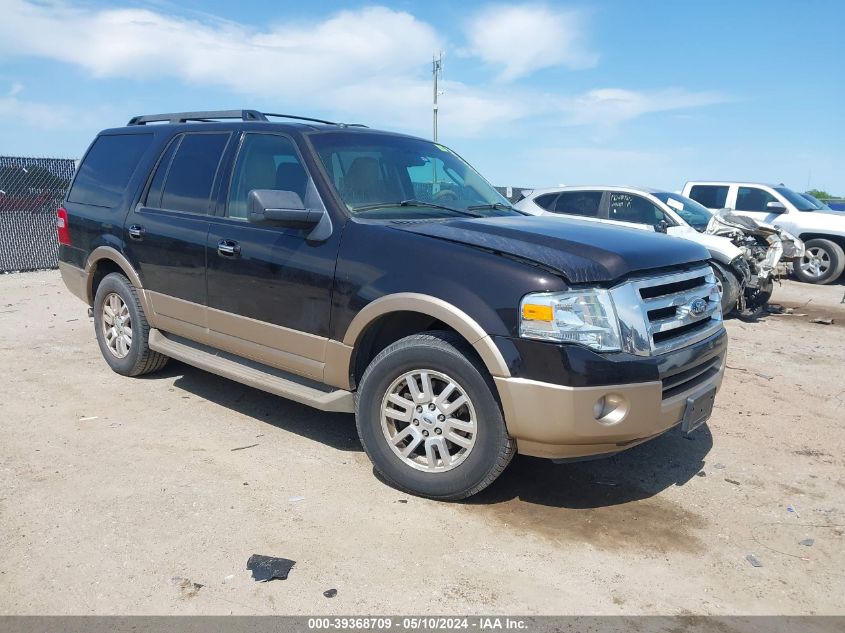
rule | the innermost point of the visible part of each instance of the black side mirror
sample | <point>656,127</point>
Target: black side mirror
<point>775,207</point>
<point>662,226</point>
<point>281,208</point>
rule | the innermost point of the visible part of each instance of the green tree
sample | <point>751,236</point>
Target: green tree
<point>821,195</point>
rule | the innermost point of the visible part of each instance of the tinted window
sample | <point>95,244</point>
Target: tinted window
<point>390,177</point>
<point>579,203</point>
<point>107,168</point>
<point>711,196</point>
<point>265,161</point>
<point>546,201</point>
<point>753,199</point>
<point>626,207</point>
<point>154,192</point>
<point>191,174</point>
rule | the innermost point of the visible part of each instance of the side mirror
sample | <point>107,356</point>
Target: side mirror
<point>662,226</point>
<point>775,207</point>
<point>281,208</point>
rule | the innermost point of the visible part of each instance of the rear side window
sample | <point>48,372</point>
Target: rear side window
<point>584,203</point>
<point>187,185</point>
<point>546,201</point>
<point>711,196</point>
<point>107,168</point>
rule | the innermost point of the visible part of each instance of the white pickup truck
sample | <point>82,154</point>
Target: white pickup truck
<point>822,233</point>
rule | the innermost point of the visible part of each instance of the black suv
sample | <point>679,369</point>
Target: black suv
<point>363,271</point>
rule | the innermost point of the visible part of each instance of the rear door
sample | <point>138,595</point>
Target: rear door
<point>710,196</point>
<point>166,232</point>
<point>269,288</point>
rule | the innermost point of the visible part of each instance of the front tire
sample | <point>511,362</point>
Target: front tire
<point>823,262</point>
<point>729,285</point>
<point>122,329</point>
<point>429,420</point>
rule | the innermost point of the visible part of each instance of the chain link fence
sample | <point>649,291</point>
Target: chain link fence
<point>31,189</point>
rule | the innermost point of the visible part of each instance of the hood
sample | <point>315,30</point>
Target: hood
<point>581,251</point>
<point>721,248</point>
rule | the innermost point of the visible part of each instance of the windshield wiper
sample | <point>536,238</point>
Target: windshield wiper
<point>501,206</point>
<point>414,203</point>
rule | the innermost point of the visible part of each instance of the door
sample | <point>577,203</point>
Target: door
<point>752,201</point>
<point>269,288</point>
<point>167,230</point>
<point>634,209</point>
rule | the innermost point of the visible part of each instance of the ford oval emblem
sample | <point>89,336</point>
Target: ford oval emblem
<point>698,307</point>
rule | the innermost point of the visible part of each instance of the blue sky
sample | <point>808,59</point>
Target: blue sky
<point>606,92</point>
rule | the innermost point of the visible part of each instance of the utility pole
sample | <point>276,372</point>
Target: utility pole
<point>436,71</point>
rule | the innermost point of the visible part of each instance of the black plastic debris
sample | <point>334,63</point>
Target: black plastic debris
<point>330,593</point>
<point>755,562</point>
<point>265,568</point>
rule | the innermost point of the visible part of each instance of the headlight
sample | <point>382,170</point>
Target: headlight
<point>577,316</point>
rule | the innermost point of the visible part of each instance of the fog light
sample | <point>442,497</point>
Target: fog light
<point>610,409</point>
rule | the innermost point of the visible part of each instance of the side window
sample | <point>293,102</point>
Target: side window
<point>710,196</point>
<point>584,203</point>
<point>546,201</point>
<point>153,198</point>
<point>626,207</point>
<point>753,199</point>
<point>191,174</point>
<point>107,168</point>
<point>265,161</point>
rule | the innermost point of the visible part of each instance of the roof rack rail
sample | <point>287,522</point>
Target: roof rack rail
<point>211,115</point>
<point>183,117</point>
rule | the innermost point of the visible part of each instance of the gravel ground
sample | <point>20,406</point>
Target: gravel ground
<point>147,496</point>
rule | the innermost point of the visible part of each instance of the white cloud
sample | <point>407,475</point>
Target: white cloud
<point>368,65</point>
<point>524,38</point>
<point>608,107</point>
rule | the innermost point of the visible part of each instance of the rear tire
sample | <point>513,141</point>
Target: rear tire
<point>823,262</point>
<point>122,329</point>
<point>425,395</point>
<point>729,286</point>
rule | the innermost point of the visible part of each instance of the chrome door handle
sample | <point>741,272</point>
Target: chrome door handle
<point>136,232</point>
<point>228,248</point>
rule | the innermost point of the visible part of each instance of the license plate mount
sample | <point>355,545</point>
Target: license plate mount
<point>698,410</point>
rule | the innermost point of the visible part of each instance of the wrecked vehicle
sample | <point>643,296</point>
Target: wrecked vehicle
<point>373,273</point>
<point>649,209</point>
<point>768,250</point>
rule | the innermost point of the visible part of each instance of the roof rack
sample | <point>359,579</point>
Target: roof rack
<point>211,115</point>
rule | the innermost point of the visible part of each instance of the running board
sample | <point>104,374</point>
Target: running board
<point>251,374</point>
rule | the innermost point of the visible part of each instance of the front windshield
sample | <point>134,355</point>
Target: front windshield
<point>691,212</point>
<point>389,177</point>
<point>797,200</point>
<point>817,204</point>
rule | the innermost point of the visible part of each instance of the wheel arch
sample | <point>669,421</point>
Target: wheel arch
<point>107,259</point>
<point>836,239</point>
<point>395,316</point>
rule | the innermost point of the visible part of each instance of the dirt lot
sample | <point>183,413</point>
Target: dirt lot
<point>117,494</point>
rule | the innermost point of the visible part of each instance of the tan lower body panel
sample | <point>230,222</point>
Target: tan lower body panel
<point>272,345</point>
<point>338,400</point>
<point>75,279</point>
<point>555,421</point>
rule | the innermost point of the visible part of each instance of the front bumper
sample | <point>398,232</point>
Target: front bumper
<point>559,421</point>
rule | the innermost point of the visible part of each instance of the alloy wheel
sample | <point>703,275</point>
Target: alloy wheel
<point>117,325</point>
<point>428,420</point>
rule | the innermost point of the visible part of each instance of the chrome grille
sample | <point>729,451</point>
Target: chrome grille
<point>663,313</point>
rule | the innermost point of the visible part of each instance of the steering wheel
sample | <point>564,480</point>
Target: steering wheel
<point>444,195</point>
